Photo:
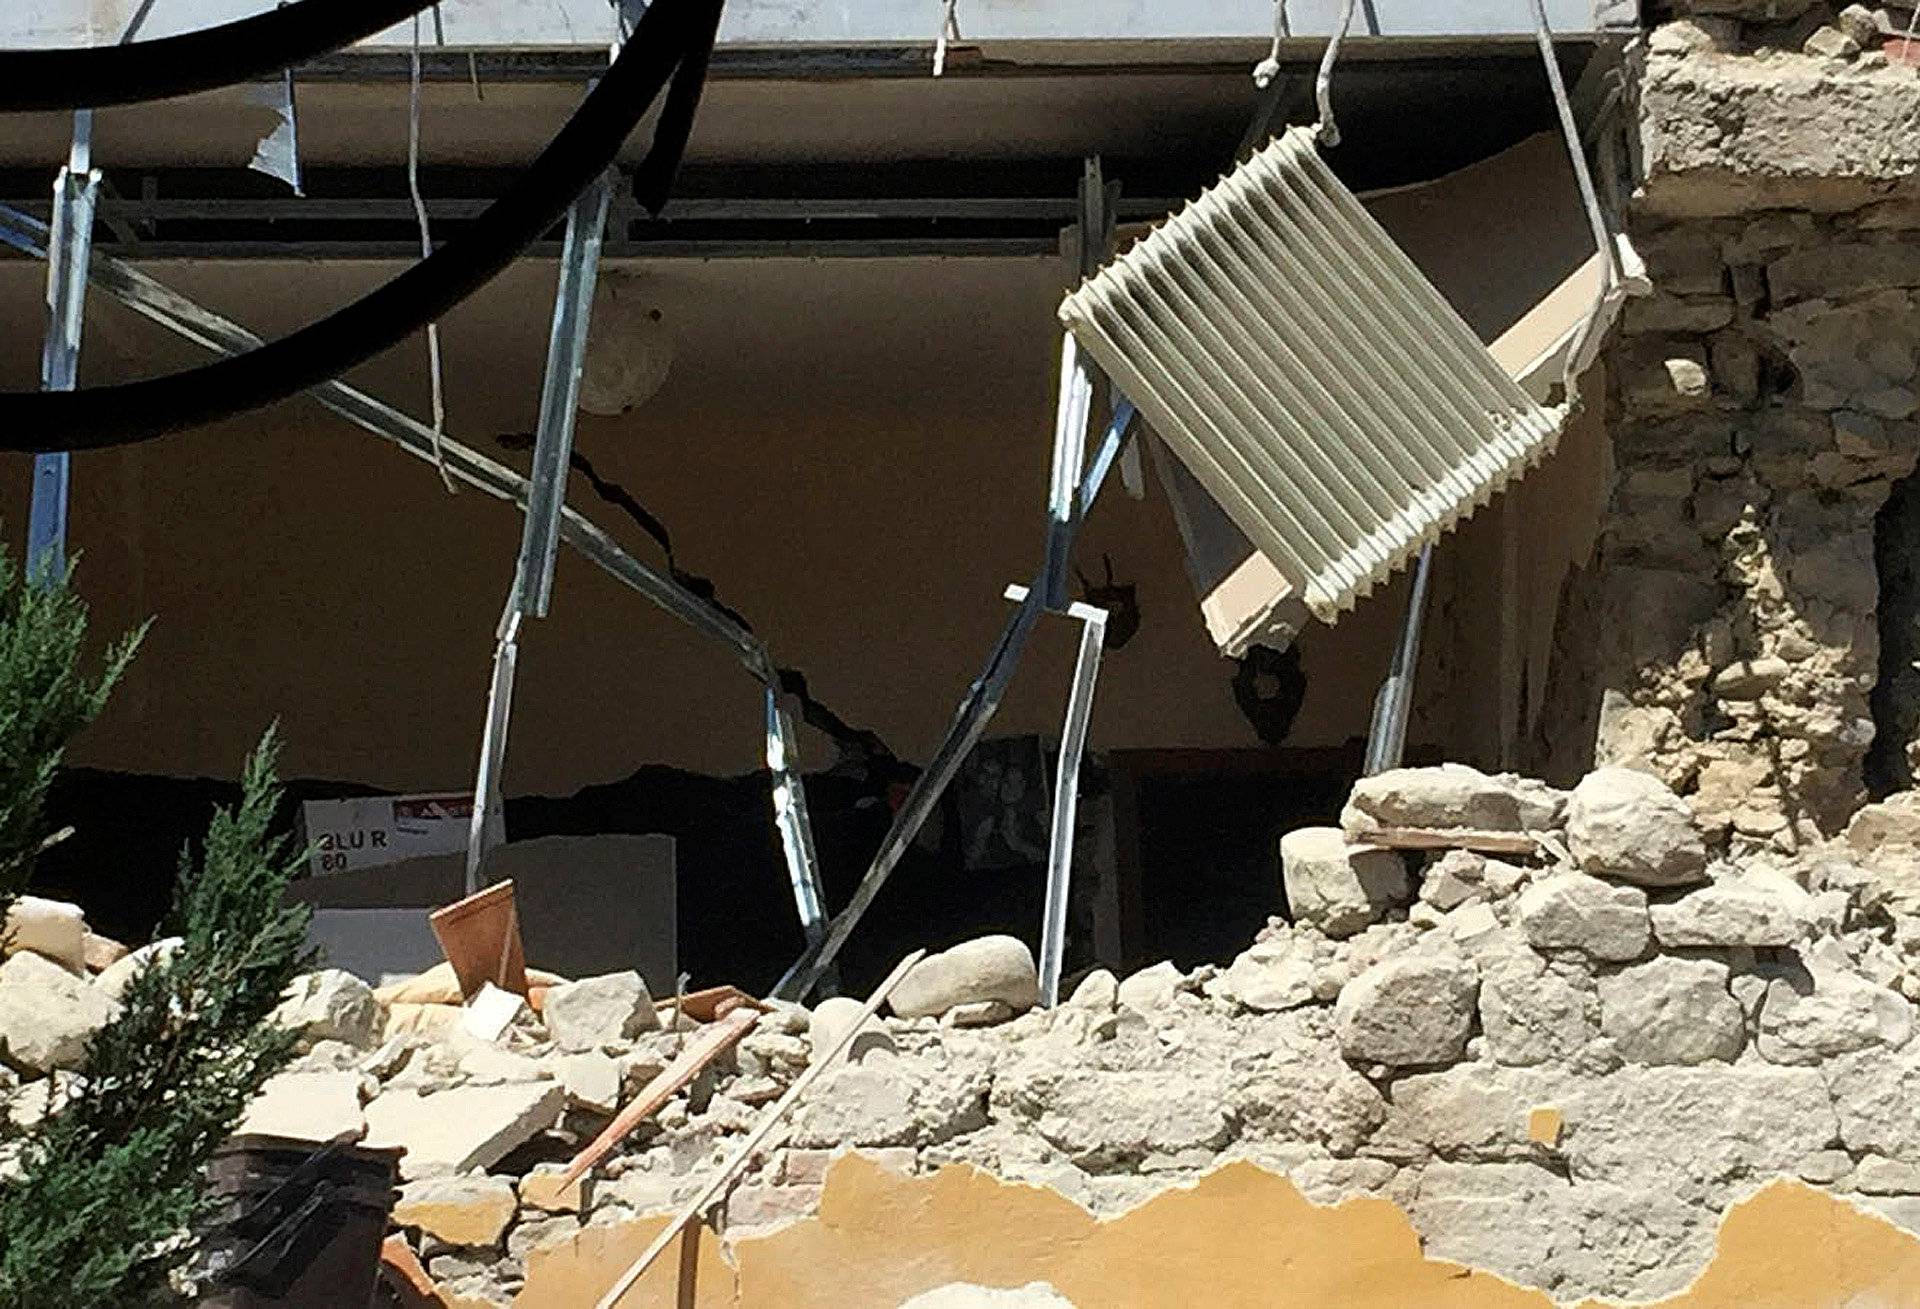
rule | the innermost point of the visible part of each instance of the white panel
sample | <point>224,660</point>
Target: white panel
<point>1309,375</point>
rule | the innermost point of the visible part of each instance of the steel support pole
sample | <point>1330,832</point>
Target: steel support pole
<point>532,588</point>
<point>1066,793</point>
<point>790,818</point>
<point>1387,737</point>
<point>69,249</point>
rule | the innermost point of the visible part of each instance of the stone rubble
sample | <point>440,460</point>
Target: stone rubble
<point>1564,1073</point>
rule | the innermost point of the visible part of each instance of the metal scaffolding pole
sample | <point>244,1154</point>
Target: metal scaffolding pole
<point>69,251</point>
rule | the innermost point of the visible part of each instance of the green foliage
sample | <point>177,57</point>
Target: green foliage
<point>111,1182</point>
<point>45,701</point>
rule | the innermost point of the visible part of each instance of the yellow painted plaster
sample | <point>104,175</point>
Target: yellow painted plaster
<point>1240,1236</point>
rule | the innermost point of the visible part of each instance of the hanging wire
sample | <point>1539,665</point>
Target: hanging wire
<point>1269,68</point>
<point>949,31</point>
<point>1329,132</point>
<point>426,249</point>
<point>1612,283</point>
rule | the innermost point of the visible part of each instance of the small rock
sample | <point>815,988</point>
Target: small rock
<point>1453,880</point>
<point>1842,1013</point>
<point>1858,22</point>
<point>981,1013</point>
<point>1407,1012</point>
<point>529,1236</point>
<point>117,976</point>
<point>48,1016</point>
<point>597,1011</point>
<point>1572,911</point>
<point>1337,886</point>
<point>986,968</point>
<point>52,929</point>
<point>1098,991</point>
<point>1629,826</point>
<point>102,952</point>
<point>831,1020</point>
<point>1831,43</point>
<point>331,1005</point>
<point>1672,1011</point>
<point>307,1107</point>
<point>1758,909</point>
<point>541,1189</point>
<point>591,1077</point>
<point>1150,988</point>
<point>1270,977</point>
<point>462,1211</point>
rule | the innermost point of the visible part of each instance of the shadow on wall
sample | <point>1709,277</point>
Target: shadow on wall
<point>1240,1237</point>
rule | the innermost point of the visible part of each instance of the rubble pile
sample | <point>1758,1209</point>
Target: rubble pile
<point>1564,1064</point>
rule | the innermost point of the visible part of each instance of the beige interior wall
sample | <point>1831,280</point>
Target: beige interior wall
<point>854,450</point>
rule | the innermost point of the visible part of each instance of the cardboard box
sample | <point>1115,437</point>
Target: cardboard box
<point>384,829</point>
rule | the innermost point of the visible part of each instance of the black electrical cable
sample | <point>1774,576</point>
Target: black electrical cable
<point>88,77</point>
<point>672,33</point>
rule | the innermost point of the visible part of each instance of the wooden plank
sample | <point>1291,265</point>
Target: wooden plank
<point>737,1162</point>
<point>1448,838</point>
<point>707,1045</point>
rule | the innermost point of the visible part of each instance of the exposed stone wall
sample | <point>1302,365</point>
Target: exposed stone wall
<point>1763,405</point>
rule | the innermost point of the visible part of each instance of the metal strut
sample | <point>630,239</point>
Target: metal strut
<point>69,251</point>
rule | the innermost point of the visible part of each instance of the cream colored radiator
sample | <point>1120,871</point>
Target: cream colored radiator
<point>1312,379</point>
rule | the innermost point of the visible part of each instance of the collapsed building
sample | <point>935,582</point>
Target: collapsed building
<point>1641,1029</point>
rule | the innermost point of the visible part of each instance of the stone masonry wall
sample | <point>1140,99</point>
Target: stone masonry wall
<point>1763,405</point>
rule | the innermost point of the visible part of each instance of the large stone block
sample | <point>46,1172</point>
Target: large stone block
<point>1532,1014</point>
<point>53,929</point>
<point>47,1015</point>
<point>307,1107</point>
<point>332,1005</point>
<point>1629,826</point>
<point>464,1211</point>
<point>596,1011</point>
<point>1407,1012</point>
<point>1337,886</point>
<point>1672,1011</point>
<point>1572,911</point>
<point>987,968</point>
<point>1832,1013</point>
<point>1758,909</point>
<point>461,1129</point>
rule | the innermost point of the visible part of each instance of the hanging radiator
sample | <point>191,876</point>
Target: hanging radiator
<point>1311,378</point>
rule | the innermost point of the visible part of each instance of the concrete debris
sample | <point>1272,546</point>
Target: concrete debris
<point>988,968</point>
<point>47,1015</point>
<point>1760,909</point>
<point>1451,796</point>
<point>1572,911</point>
<point>331,1005</point>
<point>1336,885</point>
<point>1672,1011</point>
<point>457,1211</point>
<point>1408,1012</point>
<point>114,979</point>
<point>1660,1049</point>
<point>305,1106</point>
<point>1627,825</point>
<point>51,929</point>
<point>598,1011</point>
<point>101,952</point>
<point>467,1127</point>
